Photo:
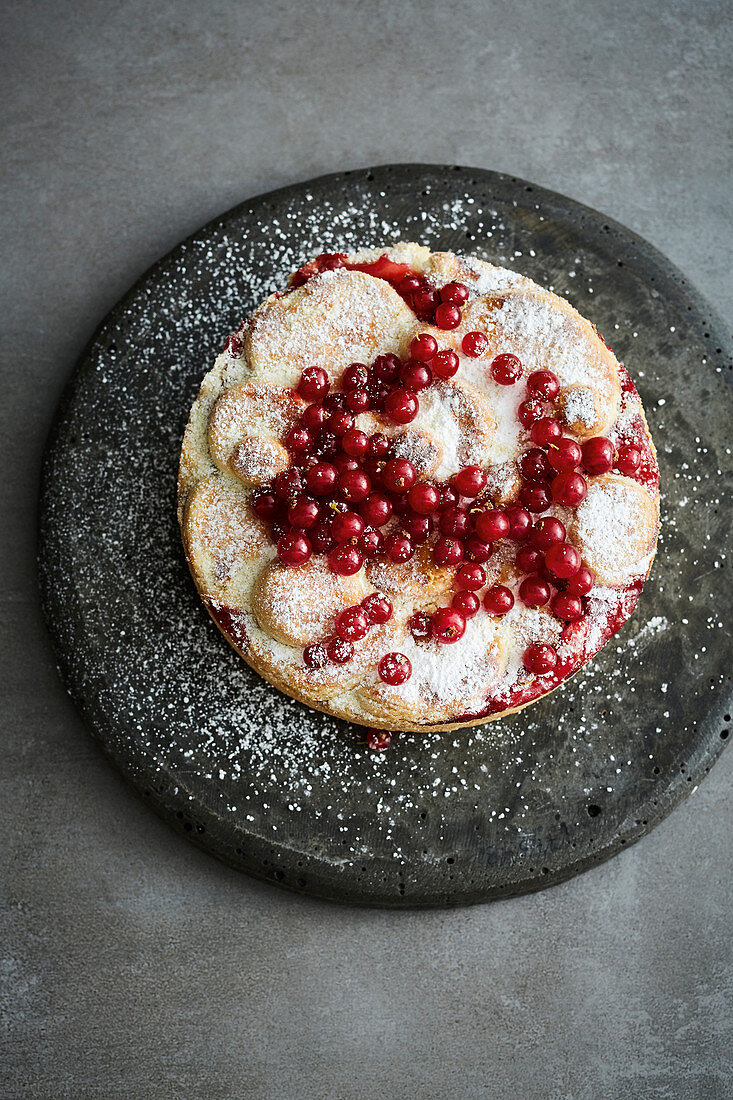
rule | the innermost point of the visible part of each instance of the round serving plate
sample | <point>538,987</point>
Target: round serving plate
<point>289,794</point>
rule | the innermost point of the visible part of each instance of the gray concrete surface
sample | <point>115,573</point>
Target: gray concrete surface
<point>133,965</point>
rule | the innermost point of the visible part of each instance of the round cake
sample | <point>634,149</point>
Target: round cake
<point>417,491</point>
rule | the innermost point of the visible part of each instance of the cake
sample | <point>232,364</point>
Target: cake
<point>417,491</point>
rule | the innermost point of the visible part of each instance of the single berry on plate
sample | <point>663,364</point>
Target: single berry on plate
<point>539,658</point>
<point>474,344</point>
<point>447,625</point>
<point>506,369</point>
<point>378,740</point>
<point>498,599</point>
<point>394,668</point>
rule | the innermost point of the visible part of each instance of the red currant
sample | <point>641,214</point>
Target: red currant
<point>419,624</point>
<point>355,443</point>
<point>321,537</point>
<point>539,658</point>
<point>447,625</point>
<point>340,651</point>
<point>377,607</point>
<point>294,548</point>
<point>546,431</point>
<point>345,560</point>
<point>376,509</point>
<point>534,592</point>
<point>565,455</point>
<point>423,347</point>
<point>321,478</point>
<point>447,316</point>
<point>535,498</point>
<point>546,532</point>
<point>345,463</point>
<point>448,552</point>
<point>379,446</point>
<point>315,655</point>
<point>474,344</point>
<point>445,364</point>
<point>506,369</point>
<point>398,548</point>
<point>469,481</point>
<point>357,401</point>
<point>470,578</point>
<point>520,522</point>
<point>352,624</point>
<point>581,583</point>
<point>394,668</point>
<point>346,526</point>
<point>455,523</point>
<point>598,455</point>
<point>313,384</point>
<point>354,486</point>
<point>299,440</point>
<point>423,498</point>
<point>378,740</point>
<point>568,608</point>
<point>314,417</point>
<point>355,377</point>
<point>543,383</point>
<point>288,484</point>
<point>628,459</point>
<point>498,600</point>
<point>477,550</point>
<point>417,527</point>
<point>569,489</point>
<point>563,560</point>
<point>467,603</point>
<point>398,475</point>
<point>529,412</point>
<point>454,294</point>
<point>528,559</point>
<point>371,543</point>
<point>386,367</point>
<point>264,504</point>
<point>304,513</point>
<point>416,376</point>
<point>401,406</point>
<point>534,465</point>
<point>492,525</point>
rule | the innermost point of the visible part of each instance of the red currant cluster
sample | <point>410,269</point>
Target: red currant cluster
<point>352,624</point>
<point>441,308</point>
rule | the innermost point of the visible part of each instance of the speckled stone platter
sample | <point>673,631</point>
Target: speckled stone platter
<point>292,795</point>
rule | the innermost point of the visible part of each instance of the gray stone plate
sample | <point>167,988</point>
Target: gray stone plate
<point>291,795</point>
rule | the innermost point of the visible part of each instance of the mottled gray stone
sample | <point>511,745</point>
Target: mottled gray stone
<point>132,964</point>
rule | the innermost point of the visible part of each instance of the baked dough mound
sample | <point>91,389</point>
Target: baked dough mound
<point>256,431</point>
